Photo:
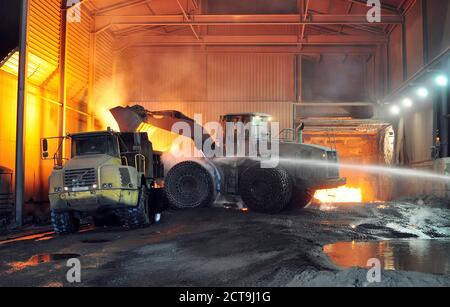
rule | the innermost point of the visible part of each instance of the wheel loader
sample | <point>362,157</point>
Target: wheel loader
<point>196,182</point>
<point>111,176</point>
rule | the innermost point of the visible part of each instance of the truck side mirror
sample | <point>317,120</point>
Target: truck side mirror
<point>45,148</point>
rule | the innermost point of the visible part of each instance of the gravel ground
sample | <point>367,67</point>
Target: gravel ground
<point>227,247</point>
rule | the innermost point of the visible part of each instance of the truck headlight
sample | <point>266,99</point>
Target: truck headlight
<point>57,189</point>
<point>94,186</point>
<point>66,189</point>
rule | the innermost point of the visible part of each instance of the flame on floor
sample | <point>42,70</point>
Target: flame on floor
<point>342,194</point>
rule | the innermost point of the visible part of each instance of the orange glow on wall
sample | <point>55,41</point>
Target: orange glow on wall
<point>8,103</point>
<point>355,148</point>
<point>39,70</point>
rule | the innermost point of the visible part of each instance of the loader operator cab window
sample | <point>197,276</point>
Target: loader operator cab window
<point>95,145</point>
<point>256,124</point>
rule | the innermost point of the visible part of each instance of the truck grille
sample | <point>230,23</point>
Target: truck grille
<point>82,177</point>
<point>332,169</point>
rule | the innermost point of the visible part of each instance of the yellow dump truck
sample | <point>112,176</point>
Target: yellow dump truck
<point>110,176</point>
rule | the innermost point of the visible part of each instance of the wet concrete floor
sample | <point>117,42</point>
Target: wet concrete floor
<point>227,247</point>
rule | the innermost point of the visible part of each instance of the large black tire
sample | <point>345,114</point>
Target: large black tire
<point>136,217</point>
<point>64,223</point>
<point>266,190</point>
<point>301,198</point>
<point>189,185</point>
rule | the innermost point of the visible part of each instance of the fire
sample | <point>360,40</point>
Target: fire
<point>342,194</point>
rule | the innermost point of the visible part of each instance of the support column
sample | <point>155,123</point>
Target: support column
<point>62,78</point>
<point>20,124</point>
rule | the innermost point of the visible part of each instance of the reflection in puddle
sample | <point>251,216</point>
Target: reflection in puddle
<point>38,237</point>
<point>426,256</point>
<point>38,259</point>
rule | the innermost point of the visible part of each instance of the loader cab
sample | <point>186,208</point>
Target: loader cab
<point>246,129</point>
<point>257,124</point>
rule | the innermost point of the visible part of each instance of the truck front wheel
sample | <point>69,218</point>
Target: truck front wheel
<point>136,217</point>
<point>64,223</point>
<point>266,190</point>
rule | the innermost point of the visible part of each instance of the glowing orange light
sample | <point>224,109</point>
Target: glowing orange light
<point>33,261</point>
<point>108,120</point>
<point>39,70</point>
<point>339,195</point>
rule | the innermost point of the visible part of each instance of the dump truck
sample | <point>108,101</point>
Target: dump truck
<point>196,182</point>
<point>111,176</point>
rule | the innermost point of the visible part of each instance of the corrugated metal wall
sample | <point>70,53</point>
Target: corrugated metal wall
<point>89,67</point>
<point>395,58</point>
<point>211,111</point>
<point>210,84</point>
<point>42,108</point>
<point>44,31</point>
<point>250,77</point>
<point>335,77</point>
<point>414,38</point>
<point>77,60</point>
<point>418,136</point>
<point>103,60</point>
<point>43,105</point>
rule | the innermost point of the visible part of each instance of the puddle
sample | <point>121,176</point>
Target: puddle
<point>425,256</point>
<point>39,259</point>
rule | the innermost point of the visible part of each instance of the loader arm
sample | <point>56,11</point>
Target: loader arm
<point>130,119</point>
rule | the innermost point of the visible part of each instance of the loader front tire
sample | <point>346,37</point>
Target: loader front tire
<point>189,185</point>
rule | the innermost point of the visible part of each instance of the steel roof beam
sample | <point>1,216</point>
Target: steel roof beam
<point>103,21</point>
<point>145,40</point>
<point>121,5</point>
<point>188,18</point>
<point>384,6</point>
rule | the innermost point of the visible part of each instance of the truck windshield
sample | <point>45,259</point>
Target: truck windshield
<point>94,145</point>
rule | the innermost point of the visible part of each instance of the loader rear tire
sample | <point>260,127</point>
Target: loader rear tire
<point>266,190</point>
<point>189,185</point>
<point>136,217</point>
<point>64,223</point>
